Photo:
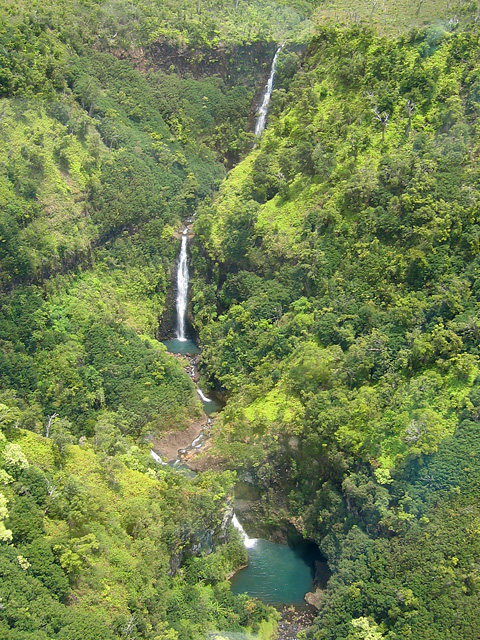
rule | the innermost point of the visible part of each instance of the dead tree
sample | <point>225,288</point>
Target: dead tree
<point>52,493</point>
<point>383,119</point>
<point>49,424</point>
<point>129,627</point>
<point>354,17</point>
<point>51,490</point>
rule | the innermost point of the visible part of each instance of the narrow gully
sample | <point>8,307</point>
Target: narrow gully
<point>277,574</point>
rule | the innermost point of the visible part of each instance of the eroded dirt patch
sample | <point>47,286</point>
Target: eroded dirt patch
<point>171,442</point>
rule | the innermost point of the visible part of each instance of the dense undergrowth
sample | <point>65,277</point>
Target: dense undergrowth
<point>95,536</point>
<point>335,294</point>
<point>102,154</point>
<point>341,317</point>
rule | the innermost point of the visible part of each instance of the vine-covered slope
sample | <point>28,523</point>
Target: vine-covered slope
<point>341,318</point>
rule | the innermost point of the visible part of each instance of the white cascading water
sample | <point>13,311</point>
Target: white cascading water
<point>263,111</point>
<point>156,457</point>
<point>203,397</point>
<point>248,542</point>
<point>182,288</point>
<point>198,442</point>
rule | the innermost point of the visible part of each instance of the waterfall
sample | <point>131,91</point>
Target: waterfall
<point>156,457</point>
<point>203,397</point>
<point>248,542</point>
<point>182,288</point>
<point>198,442</point>
<point>262,113</point>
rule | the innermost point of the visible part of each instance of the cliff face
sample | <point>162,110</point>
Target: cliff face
<point>245,64</point>
<point>204,539</point>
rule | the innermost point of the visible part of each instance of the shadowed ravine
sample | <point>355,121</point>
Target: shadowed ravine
<point>276,574</point>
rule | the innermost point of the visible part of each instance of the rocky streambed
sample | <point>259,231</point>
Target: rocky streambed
<point>293,621</point>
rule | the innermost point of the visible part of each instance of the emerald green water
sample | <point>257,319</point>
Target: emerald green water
<point>277,574</point>
<point>184,347</point>
<point>213,406</point>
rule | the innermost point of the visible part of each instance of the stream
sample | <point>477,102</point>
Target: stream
<point>277,574</point>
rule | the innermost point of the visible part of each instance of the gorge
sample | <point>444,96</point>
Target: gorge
<point>208,324</point>
<point>277,574</point>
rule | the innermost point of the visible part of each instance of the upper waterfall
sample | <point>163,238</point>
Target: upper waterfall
<point>263,111</point>
<point>182,288</point>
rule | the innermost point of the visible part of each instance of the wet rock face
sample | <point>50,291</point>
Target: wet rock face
<point>198,543</point>
<point>241,64</point>
<point>205,541</point>
<point>192,367</point>
<point>167,320</point>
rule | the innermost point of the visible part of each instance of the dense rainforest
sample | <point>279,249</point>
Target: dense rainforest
<point>335,297</point>
<point>341,317</point>
<point>104,149</point>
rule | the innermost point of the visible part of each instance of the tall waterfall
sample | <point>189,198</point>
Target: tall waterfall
<point>182,288</point>
<point>263,111</point>
<point>248,542</point>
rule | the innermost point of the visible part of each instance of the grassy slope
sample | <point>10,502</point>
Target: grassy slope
<point>391,18</point>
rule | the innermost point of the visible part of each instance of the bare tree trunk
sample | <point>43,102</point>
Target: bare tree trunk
<point>198,6</point>
<point>49,424</point>
<point>52,494</point>
<point>383,119</point>
<point>236,5</point>
<point>128,628</point>
<point>419,7</point>
<point>373,8</point>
